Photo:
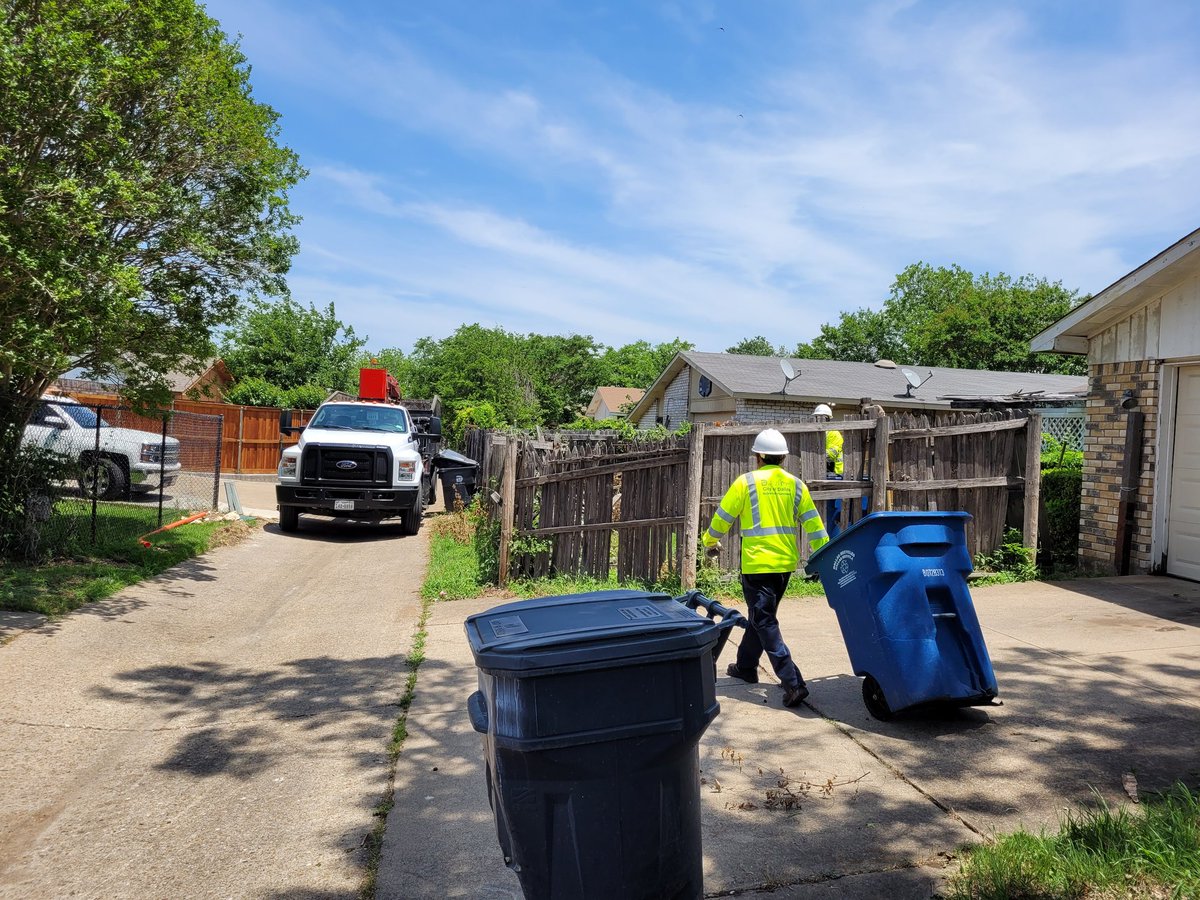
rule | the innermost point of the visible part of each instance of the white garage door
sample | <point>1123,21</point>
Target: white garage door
<point>1183,526</point>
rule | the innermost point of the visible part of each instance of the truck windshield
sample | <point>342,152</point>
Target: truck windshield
<point>361,418</point>
<point>84,415</point>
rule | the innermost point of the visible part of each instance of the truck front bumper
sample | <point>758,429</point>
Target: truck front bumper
<point>349,502</point>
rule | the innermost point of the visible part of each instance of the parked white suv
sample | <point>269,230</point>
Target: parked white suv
<point>128,460</point>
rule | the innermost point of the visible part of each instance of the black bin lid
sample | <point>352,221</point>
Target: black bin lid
<point>585,630</point>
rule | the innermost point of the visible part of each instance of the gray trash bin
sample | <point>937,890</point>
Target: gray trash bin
<point>591,707</point>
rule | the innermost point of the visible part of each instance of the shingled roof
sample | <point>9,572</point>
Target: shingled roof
<point>824,381</point>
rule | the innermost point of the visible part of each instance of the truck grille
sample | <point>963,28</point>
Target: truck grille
<point>345,465</point>
<point>155,455</point>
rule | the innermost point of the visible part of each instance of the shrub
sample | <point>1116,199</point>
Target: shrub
<point>256,392</point>
<point>1061,490</point>
<point>1011,561</point>
<point>304,396</point>
<point>27,501</point>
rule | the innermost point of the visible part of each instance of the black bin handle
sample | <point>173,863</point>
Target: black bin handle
<point>729,618</point>
<point>477,710</point>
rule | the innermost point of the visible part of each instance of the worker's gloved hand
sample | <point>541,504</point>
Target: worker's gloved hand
<point>714,551</point>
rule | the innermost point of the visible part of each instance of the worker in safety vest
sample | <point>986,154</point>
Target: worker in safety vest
<point>833,466</point>
<point>773,508</point>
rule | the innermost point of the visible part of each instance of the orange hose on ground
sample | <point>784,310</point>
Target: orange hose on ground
<point>192,518</point>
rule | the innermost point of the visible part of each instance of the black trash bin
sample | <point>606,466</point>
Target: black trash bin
<point>591,707</point>
<point>458,476</point>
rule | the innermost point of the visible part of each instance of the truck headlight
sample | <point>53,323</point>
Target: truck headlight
<point>288,466</point>
<point>150,453</point>
<point>408,469</point>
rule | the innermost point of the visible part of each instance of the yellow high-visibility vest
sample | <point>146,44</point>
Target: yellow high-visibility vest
<point>833,451</point>
<point>771,507</point>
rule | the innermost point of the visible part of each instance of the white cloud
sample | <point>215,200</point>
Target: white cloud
<point>613,206</point>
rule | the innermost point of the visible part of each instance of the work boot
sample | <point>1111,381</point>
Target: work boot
<point>795,696</point>
<point>734,672</point>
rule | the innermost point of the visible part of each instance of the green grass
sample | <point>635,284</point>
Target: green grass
<point>1151,851</point>
<point>82,573</point>
<point>453,569</point>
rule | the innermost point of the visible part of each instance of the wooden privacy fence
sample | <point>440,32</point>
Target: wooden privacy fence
<point>582,505</point>
<point>250,437</point>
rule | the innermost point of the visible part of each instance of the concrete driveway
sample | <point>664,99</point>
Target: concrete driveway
<point>218,731</point>
<point>1098,678</point>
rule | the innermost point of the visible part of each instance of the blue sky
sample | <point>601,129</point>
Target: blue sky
<point>716,170</point>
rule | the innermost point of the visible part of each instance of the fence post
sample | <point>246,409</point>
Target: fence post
<point>217,466</point>
<point>162,467</point>
<point>241,423</point>
<point>508,502</point>
<point>96,472</point>
<point>1033,478</point>
<point>691,506</point>
<point>879,465</point>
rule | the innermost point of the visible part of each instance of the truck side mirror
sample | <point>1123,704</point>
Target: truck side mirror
<point>54,422</point>
<point>434,429</point>
<point>285,421</point>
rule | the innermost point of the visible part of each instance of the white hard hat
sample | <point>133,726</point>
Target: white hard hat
<point>823,410</point>
<point>770,443</point>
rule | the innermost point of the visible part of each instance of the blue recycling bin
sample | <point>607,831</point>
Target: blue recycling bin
<point>898,583</point>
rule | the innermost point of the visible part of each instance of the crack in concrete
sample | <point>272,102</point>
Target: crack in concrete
<point>896,772</point>
<point>938,859</point>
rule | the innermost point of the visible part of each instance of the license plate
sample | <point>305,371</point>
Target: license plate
<point>343,504</point>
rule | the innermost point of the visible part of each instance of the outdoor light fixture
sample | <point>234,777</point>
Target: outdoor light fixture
<point>1129,401</point>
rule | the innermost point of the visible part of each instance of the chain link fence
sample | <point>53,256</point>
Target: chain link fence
<point>91,477</point>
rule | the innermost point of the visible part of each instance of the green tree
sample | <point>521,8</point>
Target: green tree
<point>566,372</point>
<point>950,317</point>
<point>640,363</point>
<point>472,367</point>
<point>756,346</point>
<point>143,194</point>
<point>289,345</point>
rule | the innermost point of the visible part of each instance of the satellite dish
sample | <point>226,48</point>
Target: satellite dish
<point>914,381</point>
<point>789,375</point>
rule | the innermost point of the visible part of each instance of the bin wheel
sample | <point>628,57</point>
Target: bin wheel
<point>877,704</point>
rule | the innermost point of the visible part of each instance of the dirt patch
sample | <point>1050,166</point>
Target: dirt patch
<point>233,533</point>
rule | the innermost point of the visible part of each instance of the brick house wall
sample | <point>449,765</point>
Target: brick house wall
<point>751,411</point>
<point>1103,459</point>
<point>675,399</point>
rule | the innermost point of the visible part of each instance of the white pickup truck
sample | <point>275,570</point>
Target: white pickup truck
<point>358,459</point>
<point>127,460</point>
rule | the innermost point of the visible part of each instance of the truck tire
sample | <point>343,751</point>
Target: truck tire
<point>102,479</point>
<point>410,522</point>
<point>289,518</point>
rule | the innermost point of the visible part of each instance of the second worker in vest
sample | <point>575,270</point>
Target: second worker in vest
<point>833,467</point>
<point>772,508</point>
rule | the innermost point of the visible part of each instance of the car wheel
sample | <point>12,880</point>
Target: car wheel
<point>289,518</point>
<point>102,479</point>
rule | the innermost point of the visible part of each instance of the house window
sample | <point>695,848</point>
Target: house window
<point>704,387</point>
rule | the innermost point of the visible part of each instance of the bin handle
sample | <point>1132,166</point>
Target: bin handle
<point>713,609</point>
<point>477,710</point>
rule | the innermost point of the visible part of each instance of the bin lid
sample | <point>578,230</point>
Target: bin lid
<point>448,458</point>
<point>585,630</point>
<point>890,519</point>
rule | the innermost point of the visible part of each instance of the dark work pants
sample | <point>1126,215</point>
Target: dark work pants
<point>763,593</point>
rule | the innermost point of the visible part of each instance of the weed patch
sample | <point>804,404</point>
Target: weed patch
<point>1151,852</point>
